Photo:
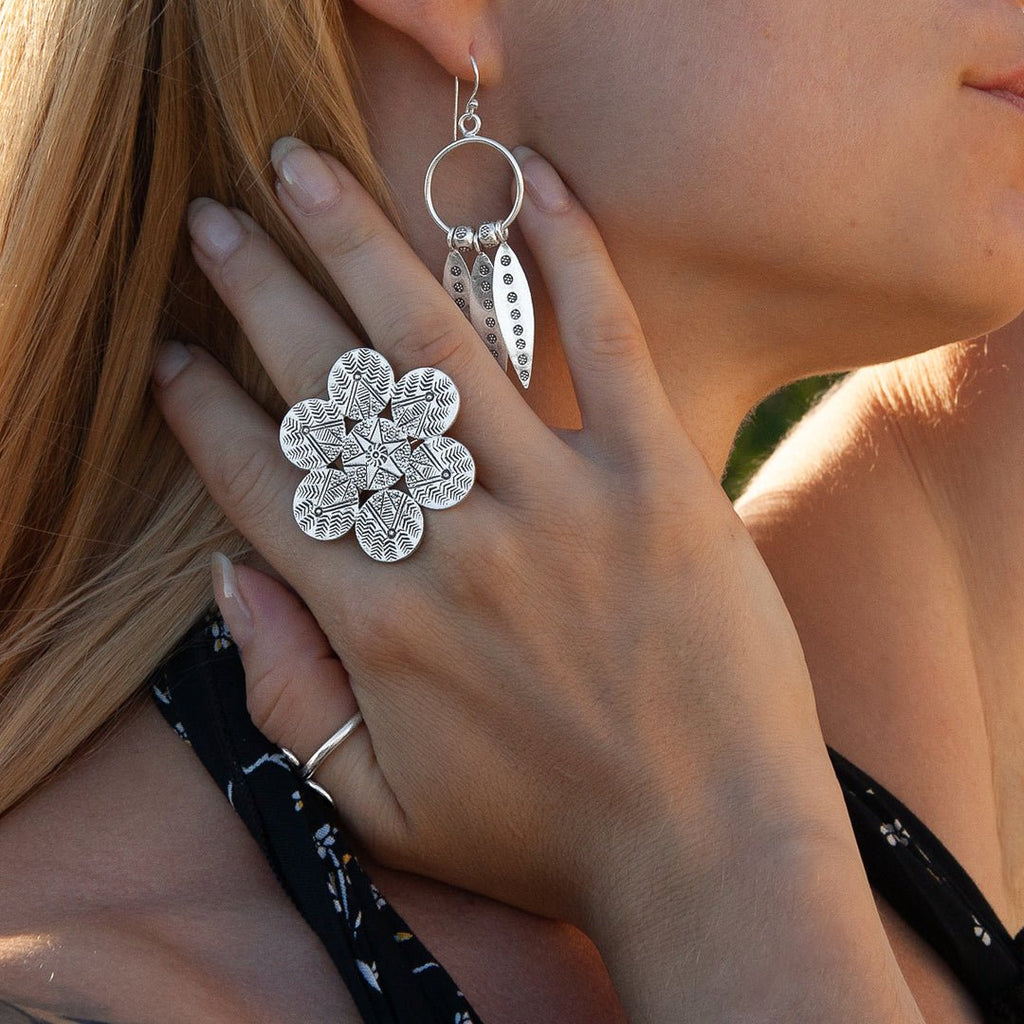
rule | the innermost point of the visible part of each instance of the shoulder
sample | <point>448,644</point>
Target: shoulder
<point>883,518</point>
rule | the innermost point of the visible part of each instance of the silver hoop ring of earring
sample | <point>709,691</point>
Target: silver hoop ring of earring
<point>428,181</point>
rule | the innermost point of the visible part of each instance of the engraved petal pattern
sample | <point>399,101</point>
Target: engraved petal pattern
<point>312,433</point>
<point>441,472</point>
<point>375,454</point>
<point>425,402</point>
<point>389,526</point>
<point>513,304</point>
<point>361,383</point>
<point>326,504</point>
<point>482,309</point>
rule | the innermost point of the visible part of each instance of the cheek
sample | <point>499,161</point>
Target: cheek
<point>891,182</point>
<point>825,146</point>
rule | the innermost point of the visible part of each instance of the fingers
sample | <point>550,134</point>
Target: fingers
<point>295,332</point>
<point>406,313</point>
<point>619,392</point>
<point>234,447</point>
<point>298,692</point>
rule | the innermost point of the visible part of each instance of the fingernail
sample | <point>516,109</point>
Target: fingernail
<point>233,608</point>
<point>172,358</point>
<point>214,228</point>
<point>312,185</point>
<point>543,184</point>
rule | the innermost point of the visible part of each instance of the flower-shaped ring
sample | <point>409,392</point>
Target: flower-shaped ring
<point>350,447</point>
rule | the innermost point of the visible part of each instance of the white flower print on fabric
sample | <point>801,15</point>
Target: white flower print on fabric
<point>369,973</point>
<point>895,833</point>
<point>980,933</point>
<point>324,837</point>
<point>376,453</point>
<point>221,636</point>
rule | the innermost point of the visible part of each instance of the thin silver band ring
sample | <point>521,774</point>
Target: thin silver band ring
<point>329,745</point>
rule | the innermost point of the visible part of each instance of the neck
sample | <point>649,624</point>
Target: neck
<point>705,329</point>
<point>711,382</point>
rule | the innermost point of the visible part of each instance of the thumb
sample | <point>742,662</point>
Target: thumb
<point>298,695</point>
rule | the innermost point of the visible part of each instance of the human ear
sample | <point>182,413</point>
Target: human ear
<point>449,30</point>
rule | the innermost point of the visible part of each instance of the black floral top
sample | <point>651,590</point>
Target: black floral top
<point>393,979</point>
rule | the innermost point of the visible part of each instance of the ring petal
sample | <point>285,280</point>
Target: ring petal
<point>326,504</point>
<point>313,433</point>
<point>389,526</point>
<point>425,402</point>
<point>361,382</point>
<point>441,472</point>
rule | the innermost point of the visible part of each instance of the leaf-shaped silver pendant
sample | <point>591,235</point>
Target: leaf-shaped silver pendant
<point>457,280</point>
<point>481,309</point>
<point>513,305</point>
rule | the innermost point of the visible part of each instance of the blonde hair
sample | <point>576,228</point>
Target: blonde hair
<point>113,115</point>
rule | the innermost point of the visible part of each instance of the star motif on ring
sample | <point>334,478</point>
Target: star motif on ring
<point>375,453</point>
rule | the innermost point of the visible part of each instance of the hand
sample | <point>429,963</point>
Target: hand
<point>585,654</point>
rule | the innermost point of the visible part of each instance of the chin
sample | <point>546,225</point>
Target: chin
<point>975,295</point>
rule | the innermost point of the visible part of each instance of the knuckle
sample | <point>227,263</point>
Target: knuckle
<point>267,698</point>
<point>246,272</point>
<point>429,340</point>
<point>615,336</point>
<point>248,488</point>
<point>348,241</point>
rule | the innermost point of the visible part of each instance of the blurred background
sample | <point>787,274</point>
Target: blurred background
<point>767,425</point>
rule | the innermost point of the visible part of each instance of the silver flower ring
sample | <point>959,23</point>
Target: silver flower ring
<point>350,448</point>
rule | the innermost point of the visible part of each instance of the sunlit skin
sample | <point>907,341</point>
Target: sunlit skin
<point>781,193</point>
<point>783,189</point>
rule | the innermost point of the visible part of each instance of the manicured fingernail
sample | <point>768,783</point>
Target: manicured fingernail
<point>172,358</point>
<point>312,185</point>
<point>214,229</point>
<point>543,184</point>
<point>233,608</point>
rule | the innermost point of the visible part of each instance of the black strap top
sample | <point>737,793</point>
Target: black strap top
<point>907,863</point>
<point>393,979</point>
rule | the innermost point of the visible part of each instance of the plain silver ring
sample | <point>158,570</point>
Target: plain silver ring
<point>516,170</point>
<point>329,745</point>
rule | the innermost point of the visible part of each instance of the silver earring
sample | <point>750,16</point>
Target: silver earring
<point>495,295</point>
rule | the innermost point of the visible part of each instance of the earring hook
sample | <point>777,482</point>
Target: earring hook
<point>469,121</point>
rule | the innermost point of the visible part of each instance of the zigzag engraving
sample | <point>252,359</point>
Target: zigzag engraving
<point>325,505</point>
<point>361,383</point>
<point>389,526</point>
<point>441,473</point>
<point>425,402</point>
<point>312,433</point>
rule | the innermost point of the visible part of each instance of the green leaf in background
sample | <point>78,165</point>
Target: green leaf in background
<point>766,426</point>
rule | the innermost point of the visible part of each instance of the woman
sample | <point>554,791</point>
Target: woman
<point>107,575</point>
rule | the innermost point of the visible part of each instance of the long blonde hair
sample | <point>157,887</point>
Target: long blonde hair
<point>113,115</point>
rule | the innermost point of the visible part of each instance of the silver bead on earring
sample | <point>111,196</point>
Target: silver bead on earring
<point>495,295</point>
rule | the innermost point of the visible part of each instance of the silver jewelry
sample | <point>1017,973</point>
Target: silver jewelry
<point>495,295</point>
<point>322,753</point>
<point>330,745</point>
<point>375,453</point>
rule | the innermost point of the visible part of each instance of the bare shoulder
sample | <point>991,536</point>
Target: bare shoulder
<point>849,517</point>
<point>876,520</point>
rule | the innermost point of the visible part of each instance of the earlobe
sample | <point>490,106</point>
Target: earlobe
<point>447,29</point>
